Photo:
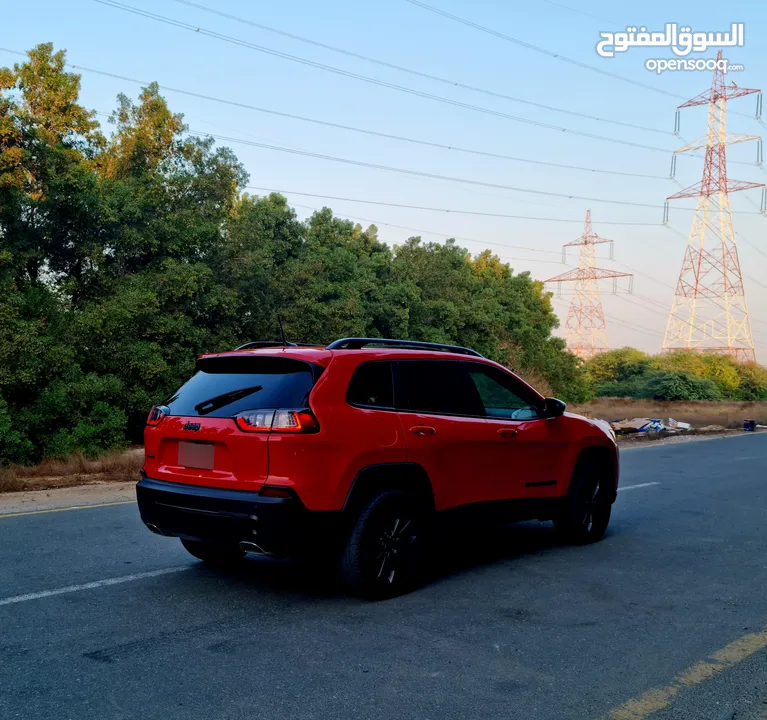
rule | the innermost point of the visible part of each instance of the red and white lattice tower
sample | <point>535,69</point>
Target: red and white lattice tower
<point>585,327</point>
<point>709,312</point>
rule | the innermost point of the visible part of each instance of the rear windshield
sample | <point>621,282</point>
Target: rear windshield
<point>225,386</point>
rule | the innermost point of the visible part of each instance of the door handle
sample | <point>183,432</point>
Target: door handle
<point>508,432</point>
<point>422,430</point>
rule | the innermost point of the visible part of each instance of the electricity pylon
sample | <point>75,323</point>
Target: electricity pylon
<point>586,328</point>
<point>709,312</point>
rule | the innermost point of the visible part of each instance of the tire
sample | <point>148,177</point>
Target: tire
<point>383,554</point>
<point>216,555</point>
<point>586,514</point>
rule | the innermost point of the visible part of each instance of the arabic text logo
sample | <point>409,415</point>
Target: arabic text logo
<point>680,39</point>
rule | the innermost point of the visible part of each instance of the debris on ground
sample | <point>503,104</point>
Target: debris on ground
<point>647,425</point>
<point>653,426</point>
<point>625,426</point>
<point>650,425</point>
<point>712,429</point>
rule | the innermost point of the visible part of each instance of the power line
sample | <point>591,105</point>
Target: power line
<point>717,234</point>
<point>452,237</point>
<point>634,326</point>
<point>557,56</point>
<point>580,12</point>
<point>437,176</point>
<point>352,128</point>
<point>624,323</point>
<point>644,307</point>
<point>417,73</point>
<point>307,153</point>
<point>365,78</point>
<point>665,314</point>
<point>444,210</point>
<point>640,328</point>
<point>418,173</point>
<point>536,48</point>
<point>621,323</point>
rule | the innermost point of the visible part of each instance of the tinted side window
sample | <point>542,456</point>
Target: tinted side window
<point>371,386</point>
<point>501,396</point>
<point>434,386</point>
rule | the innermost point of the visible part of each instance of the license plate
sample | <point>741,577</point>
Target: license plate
<point>196,455</point>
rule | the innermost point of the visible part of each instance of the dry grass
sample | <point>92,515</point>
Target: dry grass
<point>698,414</point>
<point>74,470</point>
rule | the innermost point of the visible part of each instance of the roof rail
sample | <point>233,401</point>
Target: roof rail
<point>274,343</point>
<point>264,344</point>
<point>359,343</point>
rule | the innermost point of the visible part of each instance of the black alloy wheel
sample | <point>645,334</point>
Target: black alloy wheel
<point>383,554</point>
<point>586,514</point>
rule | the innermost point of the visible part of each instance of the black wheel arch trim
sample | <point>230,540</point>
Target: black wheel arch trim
<point>382,474</point>
<point>609,459</point>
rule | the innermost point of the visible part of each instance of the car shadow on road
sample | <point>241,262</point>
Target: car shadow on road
<point>451,555</point>
<point>486,547</point>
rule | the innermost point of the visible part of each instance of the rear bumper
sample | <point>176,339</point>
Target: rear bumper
<point>277,526</point>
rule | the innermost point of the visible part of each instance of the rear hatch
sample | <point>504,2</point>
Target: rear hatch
<point>198,440</point>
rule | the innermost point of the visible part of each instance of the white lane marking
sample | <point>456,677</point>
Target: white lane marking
<point>92,585</point>
<point>634,487</point>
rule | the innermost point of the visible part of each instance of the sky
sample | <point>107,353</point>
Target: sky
<point>583,104</point>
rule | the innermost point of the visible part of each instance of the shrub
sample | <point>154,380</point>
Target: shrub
<point>15,446</point>
<point>632,388</point>
<point>671,386</point>
<point>617,366</point>
<point>103,429</point>
<point>753,383</point>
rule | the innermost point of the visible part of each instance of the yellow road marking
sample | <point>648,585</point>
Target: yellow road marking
<point>646,704</point>
<point>75,507</point>
<point>699,673</point>
<point>658,699</point>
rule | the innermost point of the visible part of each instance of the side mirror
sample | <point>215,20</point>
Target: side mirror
<point>553,408</point>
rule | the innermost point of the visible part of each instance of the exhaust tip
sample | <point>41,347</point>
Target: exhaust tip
<point>251,547</point>
<point>154,529</point>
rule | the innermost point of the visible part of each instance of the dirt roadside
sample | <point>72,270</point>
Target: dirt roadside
<point>32,501</point>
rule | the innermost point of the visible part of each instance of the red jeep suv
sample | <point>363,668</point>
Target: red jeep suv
<point>282,450</point>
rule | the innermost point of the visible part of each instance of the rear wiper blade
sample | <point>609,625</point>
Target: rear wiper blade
<point>208,406</point>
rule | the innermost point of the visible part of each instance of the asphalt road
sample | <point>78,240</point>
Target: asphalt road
<point>665,618</point>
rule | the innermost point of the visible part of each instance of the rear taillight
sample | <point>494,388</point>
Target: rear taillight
<point>279,421</point>
<point>300,421</point>
<point>255,420</point>
<point>156,415</point>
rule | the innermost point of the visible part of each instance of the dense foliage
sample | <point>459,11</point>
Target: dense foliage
<point>678,376</point>
<point>125,256</point>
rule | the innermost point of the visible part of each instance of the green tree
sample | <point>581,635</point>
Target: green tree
<point>676,386</point>
<point>123,258</point>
